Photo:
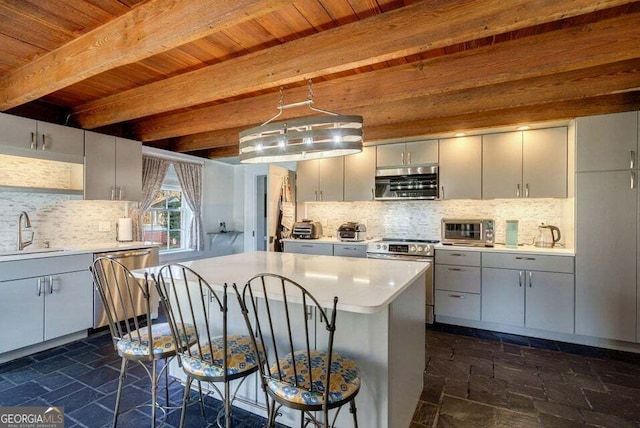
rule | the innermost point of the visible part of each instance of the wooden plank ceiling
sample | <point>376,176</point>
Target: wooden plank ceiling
<point>189,75</point>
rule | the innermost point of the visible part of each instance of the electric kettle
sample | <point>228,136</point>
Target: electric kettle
<point>547,237</point>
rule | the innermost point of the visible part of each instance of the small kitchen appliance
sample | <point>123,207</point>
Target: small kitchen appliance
<point>352,231</point>
<point>124,230</point>
<point>417,250</point>
<point>468,232</point>
<point>511,234</point>
<point>306,229</point>
<point>547,237</point>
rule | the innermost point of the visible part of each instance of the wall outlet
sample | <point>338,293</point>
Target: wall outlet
<point>104,226</point>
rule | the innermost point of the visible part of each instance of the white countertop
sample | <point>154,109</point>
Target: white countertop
<point>501,248</point>
<point>35,253</point>
<point>362,285</point>
<point>330,240</point>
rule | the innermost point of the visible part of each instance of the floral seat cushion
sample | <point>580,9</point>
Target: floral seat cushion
<point>134,345</point>
<point>345,378</point>
<point>240,357</point>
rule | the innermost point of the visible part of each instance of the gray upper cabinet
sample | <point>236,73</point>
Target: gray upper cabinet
<point>529,164</point>
<point>320,180</point>
<point>359,175</point>
<point>502,165</point>
<point>460,168</point>
<point>31,138</point>
<point>407,154</point>
<point>607,142</point>
<point>544,163</point>
<point>113,168</point>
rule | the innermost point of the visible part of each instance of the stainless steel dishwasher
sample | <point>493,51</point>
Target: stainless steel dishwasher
<point>131,259</point>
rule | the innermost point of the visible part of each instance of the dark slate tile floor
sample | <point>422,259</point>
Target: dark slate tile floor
<point>474,378</point>
<point>478,378</point>
<point>83,377</point>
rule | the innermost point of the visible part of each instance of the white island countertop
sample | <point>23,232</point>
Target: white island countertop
<point>362,285</point>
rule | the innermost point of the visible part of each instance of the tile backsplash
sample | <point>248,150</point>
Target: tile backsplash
<point>60,219</point>
<point>421,219</point>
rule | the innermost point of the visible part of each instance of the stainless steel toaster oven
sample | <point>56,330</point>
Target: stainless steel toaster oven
<point>470,232</point>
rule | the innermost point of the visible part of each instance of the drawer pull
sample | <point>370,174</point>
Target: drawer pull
<point>307,246</point>
<point>457,255</point>
<point>525,258</point>
<point>457,269</point>
<point>457,296</point>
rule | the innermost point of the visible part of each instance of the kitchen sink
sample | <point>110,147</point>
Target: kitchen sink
<point>32,251</point>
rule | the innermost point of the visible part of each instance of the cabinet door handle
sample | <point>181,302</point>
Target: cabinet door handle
<point>309,312</point>
<point>119,193</point>
<point>402,158</point>
<point>632,164</point>
<point>526,190</point>
<point>518,190</point>
<point>373,196</point>
<point>457,296</point>
<point>408,158</point>
<point>44,142</point>
<point>321,196</point>
<point>33,141</point>
<point>113,193</point>
<point>530,279</point>
<point>442,192</point>
<point>520,278</point>
<point>457,269</point>
<point>633,180</point>
<point>39,289</point>
<point>51,279</point>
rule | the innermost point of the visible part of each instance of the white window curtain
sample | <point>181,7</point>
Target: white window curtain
<point>153,173</point>
<point>190,177</point>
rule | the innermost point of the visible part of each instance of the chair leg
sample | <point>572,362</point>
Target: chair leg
<point>166,382</point>
<point>272,414</point>
<point>227,406</point>
<point>325,413</point>
<point>201,400</point>
<point>185,399</point>
<point>353,410</point>
<point>123,371</point>
<point>154,391</point>
<point>302,419</point>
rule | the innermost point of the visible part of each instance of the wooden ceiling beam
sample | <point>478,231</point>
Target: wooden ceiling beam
<point>570,49</point>
<point>504,117</point>
<point>223,152</point>
<point>570,86</point>
<point>413,29</point>
<point>152,28</point>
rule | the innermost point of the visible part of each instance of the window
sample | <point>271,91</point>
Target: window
<point>167,220</point>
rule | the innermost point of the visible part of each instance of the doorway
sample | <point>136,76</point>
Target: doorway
<point>261,213</point>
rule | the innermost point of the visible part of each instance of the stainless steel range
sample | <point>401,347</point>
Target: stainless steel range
<point>420,250</point>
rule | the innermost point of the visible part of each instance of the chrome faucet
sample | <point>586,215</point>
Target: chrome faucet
<point>27,221</point>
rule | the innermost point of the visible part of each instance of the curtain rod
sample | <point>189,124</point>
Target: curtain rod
<point>172,156</point>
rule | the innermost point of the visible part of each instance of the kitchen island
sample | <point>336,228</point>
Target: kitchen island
<point>380,323</point>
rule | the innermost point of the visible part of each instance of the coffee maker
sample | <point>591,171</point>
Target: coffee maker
<point>547,237</point>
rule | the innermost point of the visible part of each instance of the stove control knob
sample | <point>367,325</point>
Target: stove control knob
<point>420,248</point>
<point>412,249</point>
<point>378,246</point>
<point>384,247</point>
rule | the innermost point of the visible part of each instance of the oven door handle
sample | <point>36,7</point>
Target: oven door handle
<point>399,257</point>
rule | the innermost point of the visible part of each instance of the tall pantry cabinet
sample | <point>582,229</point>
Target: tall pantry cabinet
<point>607,226</point>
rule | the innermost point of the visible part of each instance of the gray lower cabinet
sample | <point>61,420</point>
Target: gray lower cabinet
<point>307,247</point>
<point>113,168</point>
<point>42,299</point>
<point>531,299</point>
<point>457,284</point>
<point>346,250</point>
<point>460,168</point>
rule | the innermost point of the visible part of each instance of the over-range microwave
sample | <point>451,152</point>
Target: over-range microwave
<point>416,182</point>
